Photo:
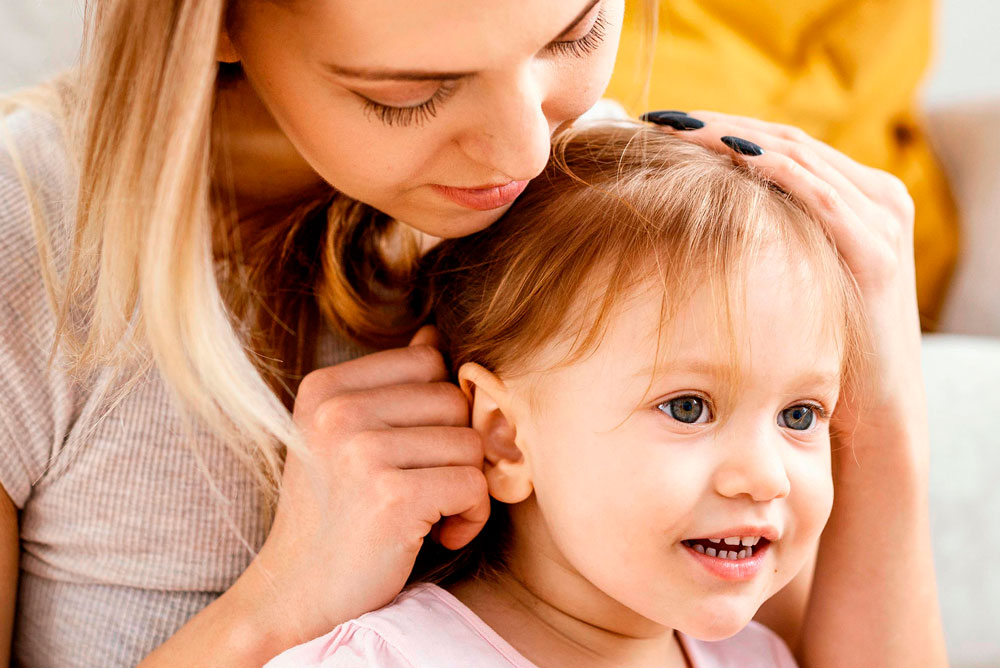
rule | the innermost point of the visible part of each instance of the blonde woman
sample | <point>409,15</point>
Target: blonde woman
<point>200,262</point>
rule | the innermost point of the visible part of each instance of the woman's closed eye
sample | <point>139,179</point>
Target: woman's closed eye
<point>688,409</point>
<point>406,114</point>
<point>580,42</point>
<point>581,45</point>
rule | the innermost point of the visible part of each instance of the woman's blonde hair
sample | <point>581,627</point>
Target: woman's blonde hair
<point>160,272</point>
<point>620,206</point>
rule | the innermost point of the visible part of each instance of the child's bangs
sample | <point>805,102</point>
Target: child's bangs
<point>620,207</point>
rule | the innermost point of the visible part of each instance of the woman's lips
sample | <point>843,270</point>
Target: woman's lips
<point>486,198</point>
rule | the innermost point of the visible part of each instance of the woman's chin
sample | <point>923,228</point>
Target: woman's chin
<point>449,221</point>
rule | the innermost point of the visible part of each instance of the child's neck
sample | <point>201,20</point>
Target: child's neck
<point>553,629</point>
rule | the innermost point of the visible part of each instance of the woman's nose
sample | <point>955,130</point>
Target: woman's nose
<point>512,136</point>
<point>753,466</point>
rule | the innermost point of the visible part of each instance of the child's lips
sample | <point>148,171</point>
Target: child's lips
<point>727,567</point>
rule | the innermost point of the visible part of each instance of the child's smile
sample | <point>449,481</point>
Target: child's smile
<point>737,557</point>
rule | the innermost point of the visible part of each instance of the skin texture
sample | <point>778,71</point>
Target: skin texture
<point>606,483</point>
<point>502,77</point>
<point>9,555</point>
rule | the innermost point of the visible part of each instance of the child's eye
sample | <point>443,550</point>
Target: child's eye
<point>687,409</point>
<point>799,418</point>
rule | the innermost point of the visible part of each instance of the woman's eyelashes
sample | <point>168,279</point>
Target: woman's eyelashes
<point>424,111</point>
<point>417,113</point>
<point>588,43</point>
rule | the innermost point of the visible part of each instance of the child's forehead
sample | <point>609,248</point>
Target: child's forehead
<point>775,303</point>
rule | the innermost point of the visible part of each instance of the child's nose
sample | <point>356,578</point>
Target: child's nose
<point>754,466</point>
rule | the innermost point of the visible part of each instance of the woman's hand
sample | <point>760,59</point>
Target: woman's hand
<point>873,599</point>
<point>869,214</point>
<point>390,453</point>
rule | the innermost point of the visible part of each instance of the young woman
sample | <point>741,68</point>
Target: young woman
<point>201,237</point>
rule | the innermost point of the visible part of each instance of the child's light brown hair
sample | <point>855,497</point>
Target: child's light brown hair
<point>620,205</point>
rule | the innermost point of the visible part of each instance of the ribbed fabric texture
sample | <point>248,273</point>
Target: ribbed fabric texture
<point>122,536</point>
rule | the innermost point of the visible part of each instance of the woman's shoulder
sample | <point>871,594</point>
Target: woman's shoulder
<point>423,627</point>
<point>37,182</point>
<point>756,646</point>
<point>35,196</point>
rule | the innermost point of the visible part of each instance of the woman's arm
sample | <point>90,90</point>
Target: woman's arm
<point>389,454</point>
<point>10,550</point>
<point>873,599</point>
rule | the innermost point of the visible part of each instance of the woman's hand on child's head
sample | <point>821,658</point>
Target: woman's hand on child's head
<point>389,454</point>
<point>869,214</point>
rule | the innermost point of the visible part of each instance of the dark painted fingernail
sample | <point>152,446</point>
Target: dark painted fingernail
<point>677,120</point>
<point>742,146</point>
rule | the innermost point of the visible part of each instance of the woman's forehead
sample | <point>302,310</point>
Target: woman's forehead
<point>442,35</point>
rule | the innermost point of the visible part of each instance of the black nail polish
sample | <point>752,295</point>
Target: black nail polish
<point>677,120</point>
<point>742,146</point>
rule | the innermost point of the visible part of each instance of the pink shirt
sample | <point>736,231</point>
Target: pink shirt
<point>427,627</point>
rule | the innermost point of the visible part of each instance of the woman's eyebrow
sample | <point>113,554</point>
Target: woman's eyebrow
<point>376,74</point>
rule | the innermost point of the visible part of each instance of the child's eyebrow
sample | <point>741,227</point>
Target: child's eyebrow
<point>811,378</point>
<point>819,379</point>
<point>698,366</point>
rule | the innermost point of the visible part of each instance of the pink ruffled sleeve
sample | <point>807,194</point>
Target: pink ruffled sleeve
<point>347,646</point>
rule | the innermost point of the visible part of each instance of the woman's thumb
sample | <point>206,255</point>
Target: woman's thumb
<point>427,335</point>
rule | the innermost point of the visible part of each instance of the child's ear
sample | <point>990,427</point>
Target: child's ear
<point>507,471</point>
<point>225,52</point>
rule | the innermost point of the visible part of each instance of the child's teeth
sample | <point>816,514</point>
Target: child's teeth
<point>699,548</point>
<point>742,554</point>
<point>732,540</point>
<point>749,540</point>
<point>749,552</point>
<point>710,551</point>
<point>715,540</point>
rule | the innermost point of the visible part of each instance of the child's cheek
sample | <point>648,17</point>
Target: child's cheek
<point>812,495</point>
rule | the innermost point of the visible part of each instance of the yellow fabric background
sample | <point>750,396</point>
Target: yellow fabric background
<point>846,71</point>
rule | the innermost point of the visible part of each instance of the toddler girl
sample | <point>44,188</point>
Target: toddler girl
<point>652,341</point>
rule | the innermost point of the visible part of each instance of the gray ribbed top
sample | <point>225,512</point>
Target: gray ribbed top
<point>122,537</point>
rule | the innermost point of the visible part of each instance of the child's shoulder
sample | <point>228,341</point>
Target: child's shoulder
<point>424,626</point>
<point>756,646</point>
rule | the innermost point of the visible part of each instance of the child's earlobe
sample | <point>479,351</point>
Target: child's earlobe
<point>507,471</point>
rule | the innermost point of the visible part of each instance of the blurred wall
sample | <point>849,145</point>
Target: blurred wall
<point>967,54</point>
<point>37,39</point>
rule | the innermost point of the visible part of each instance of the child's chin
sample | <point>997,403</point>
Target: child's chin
<point>718,623</point>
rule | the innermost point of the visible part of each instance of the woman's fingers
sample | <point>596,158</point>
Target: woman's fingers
<point>411,405</point>
<point>426,447</point>
<point>417,363</point>
<point>804,154</point>
<point>459,496</point>
<point>860,175</point>
<point>870,233</point>
<point>428,335</point>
